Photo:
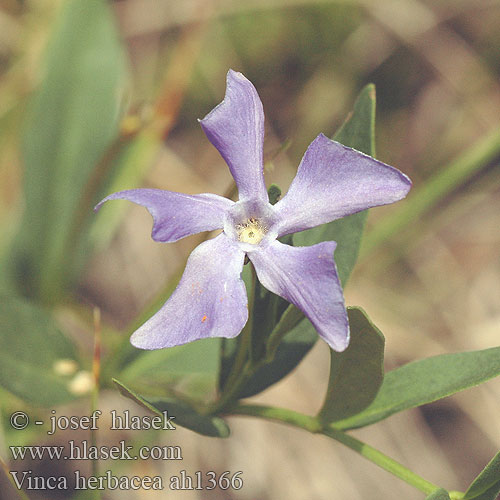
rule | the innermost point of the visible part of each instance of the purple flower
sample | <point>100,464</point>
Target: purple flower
<point>332,181</point>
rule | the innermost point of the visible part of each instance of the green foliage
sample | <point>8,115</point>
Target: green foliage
<point>72,120</point>
<point>427,380</point>
<point>486,486</point>
<point>32,345</point>
<point>274,193</point>
<point>357,373</point>
<point>289,354</point>
<point>196,363</point>
<point>185,415</point>
<point>357,132</point>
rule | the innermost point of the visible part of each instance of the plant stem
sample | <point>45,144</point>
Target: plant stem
<point>382,460</point>
<point>243,353</point>
<point>282,415</point>
<point>230,392</point>
<point>426,196</point>
<point>312,424</point>
<point>242,365</point>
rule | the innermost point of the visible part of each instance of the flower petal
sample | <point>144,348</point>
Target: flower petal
<point>210,300</point>
<point>177,215</point>
<point>307,277</point>
<point>236,128</point>
<point>334,181</point>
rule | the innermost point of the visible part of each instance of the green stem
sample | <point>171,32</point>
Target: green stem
<point>425,197</point>
<point>282,415</point>
<point>289,319</point>
<point>230,393</point>
<point>243,365</point>
<point>382,460</point>
<point>312,424</point>
<point>245,337</point>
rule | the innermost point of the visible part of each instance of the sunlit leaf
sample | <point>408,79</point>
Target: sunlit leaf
<point>486,486</point>
<point>357,373</point>
<point>357,132</point>
<point>292,349</point>
<point>196,363</point>
<point>427,380</point>
<point>72,119</point>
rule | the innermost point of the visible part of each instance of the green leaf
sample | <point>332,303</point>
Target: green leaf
<point>229,347</point>
<point>72,120</point>
<point>32,345</point>
<point>274,193</point>
<point>266,311</point>
<point>196,357</point>
<point>427,380</point>
<point>357,132</point>
<point>298,333</point>
<point>185,415</point>
<point>197,363</point>
<point>439,494</point>
<point>289,354</point>
<point>357,373</point>
<point>486,486</point>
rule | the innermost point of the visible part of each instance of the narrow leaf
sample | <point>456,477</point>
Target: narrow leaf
<point>195,357</point>
<point>196,363</point>
<point>185,415</point>
<point>357,132</point>
<point>32,348</point>
<point>289,354</point>
<point>72,120</point>
<point>357,373</point>
<point>428,380</point>
<point>486,486</point>
<point>459,172</point>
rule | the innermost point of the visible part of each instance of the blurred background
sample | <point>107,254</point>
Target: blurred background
<point>429,268</point>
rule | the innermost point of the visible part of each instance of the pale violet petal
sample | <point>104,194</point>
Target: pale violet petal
<point>307,277</point>
<point>177,215</point>
<point>334,181</point>
<point>210,300</point>
<point>236,128</point>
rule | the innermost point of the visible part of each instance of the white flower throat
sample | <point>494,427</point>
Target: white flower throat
<point>251,231</point>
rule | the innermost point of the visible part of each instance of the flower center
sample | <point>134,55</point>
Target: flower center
<point>251,224</point>
<point>251,231</point>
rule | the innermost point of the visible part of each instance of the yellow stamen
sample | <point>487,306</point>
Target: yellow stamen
<point>252,231</point>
